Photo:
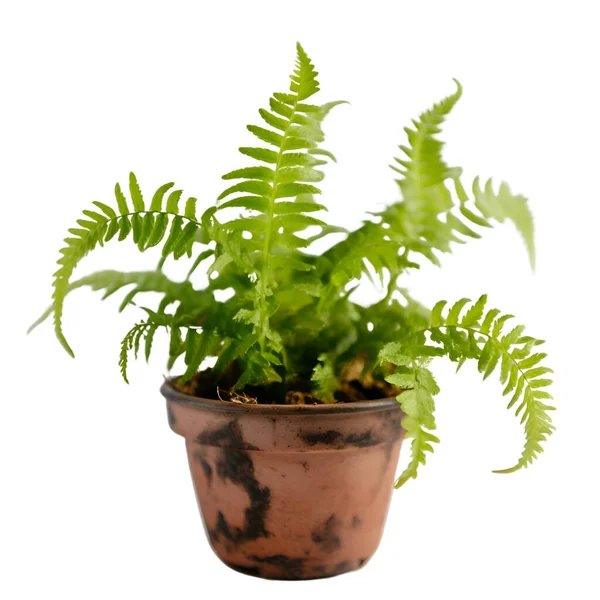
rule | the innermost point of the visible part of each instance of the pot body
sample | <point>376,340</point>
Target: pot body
<point>290,492</point>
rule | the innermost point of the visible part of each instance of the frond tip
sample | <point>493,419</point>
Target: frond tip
<point>304,79</point>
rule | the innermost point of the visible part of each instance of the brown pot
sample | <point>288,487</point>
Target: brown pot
<point>290,492</point>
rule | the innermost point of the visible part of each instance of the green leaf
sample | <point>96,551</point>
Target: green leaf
<point>261,173</point>
<point>532,360</point>
<point>136,194</point>
<point>324,379</point>
<point>286,208</point>
<point>321,152</point>
<point>453,314</point>
<point>266,135</point>
<point>293,174</point>
<point>107,210</point>
<point>268,156</point>
<point>190,208</point>
<point>436,313</point>
<point>258,203</point>
<point>147,226</point>
<point>158,231</point>
<point>157,199</point>
<point>173,201</point>
<point>296,222</point>
<point>474,314</point>
<point>121,201</point>
<point>174,234</point>
<point>272,120</point>
<point>280,108</point>
<point>260,188</point>
<point>299,159</point>
<point>287,190</point>
<point>136,226</point>
<point>125,228</point>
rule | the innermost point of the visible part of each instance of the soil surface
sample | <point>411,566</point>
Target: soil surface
<point>355,386</point>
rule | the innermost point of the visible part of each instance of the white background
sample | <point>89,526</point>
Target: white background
<point>96,499</point>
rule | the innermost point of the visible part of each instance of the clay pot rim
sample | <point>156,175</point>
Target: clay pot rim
<point>168,391</point>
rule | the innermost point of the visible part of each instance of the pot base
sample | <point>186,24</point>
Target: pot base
<point>283,568</point>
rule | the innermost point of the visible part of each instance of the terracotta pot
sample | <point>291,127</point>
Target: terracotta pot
<point>290,492</point>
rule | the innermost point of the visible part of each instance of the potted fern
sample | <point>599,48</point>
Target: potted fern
<point>294,431</point>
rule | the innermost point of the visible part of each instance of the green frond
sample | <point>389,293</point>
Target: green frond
<point>267,241</point>
<point>416,400</point>
<point>324,378</point>
<point>110,282</point>
<point>428,220</point>
<point>482,337</point>
<point>147,228</point>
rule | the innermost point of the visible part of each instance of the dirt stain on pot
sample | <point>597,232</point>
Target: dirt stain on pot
<point>341,568</point>
<point>362,440</point>
<point>208,470</point>
<point>235,465</point>
<point>318,437</point>
<point>337,440</point>
<point>290,568</point>
<point>326,534</point>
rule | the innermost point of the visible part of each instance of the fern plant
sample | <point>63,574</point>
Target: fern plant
<point>290,330</point>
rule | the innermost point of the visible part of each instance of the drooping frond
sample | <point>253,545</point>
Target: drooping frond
<point>197,344</point>
<point>416,400</point>
<point>479,335</point>
<point>278,192</point>
<point>147,226</point>
<point>110,282</point>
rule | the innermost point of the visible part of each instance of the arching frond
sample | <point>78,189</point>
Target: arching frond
<point>147,227</point>
<point>109,282</point>
<point>480,334</point>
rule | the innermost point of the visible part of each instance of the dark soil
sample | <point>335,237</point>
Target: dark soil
<point>354,387</point>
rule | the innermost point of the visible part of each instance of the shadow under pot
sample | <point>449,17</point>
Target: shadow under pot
<point>290,492</point>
